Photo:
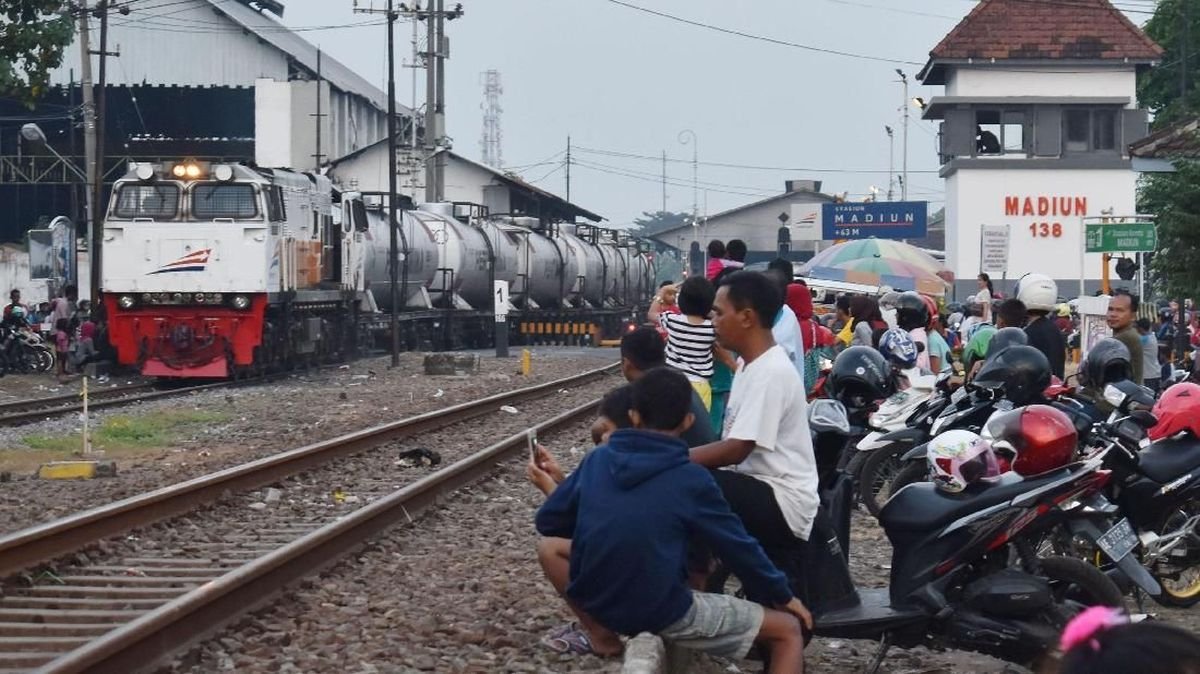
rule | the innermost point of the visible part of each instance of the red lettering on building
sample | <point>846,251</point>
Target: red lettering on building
<point>1012,205</point>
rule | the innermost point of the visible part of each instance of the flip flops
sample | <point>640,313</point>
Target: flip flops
<point>569,638</point>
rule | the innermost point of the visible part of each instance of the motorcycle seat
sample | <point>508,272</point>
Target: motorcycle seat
<point>924,507</point>
<point>1169,459</point>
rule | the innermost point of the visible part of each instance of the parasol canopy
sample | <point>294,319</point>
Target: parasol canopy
<point>880,262</point>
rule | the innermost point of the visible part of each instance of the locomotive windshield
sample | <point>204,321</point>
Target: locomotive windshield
<point>224,200</point>
<point>158,201</point>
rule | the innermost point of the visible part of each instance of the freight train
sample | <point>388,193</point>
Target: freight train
<point>217,270</point>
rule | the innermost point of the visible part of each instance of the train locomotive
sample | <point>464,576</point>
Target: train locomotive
<point>217,270</point>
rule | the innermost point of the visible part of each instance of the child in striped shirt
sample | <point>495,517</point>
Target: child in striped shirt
<point>690,336</point>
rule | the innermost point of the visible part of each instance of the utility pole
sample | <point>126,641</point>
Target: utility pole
<point>440,116</point>
<point>394,225</point>
<point>904,161</point>
<point>1181,332</point>
<point>491,140</point>
<point>318,156</point>
<point>95,249</point>
<point>431,133</point>
<point>89,142</point>
<point>568,168</point>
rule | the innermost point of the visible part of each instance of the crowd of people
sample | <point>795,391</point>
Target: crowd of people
<point>63,321</point>
<point>707,453</point>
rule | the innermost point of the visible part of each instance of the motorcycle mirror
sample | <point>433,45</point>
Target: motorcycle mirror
<point>1114,396</point>
<point>1143,418</point>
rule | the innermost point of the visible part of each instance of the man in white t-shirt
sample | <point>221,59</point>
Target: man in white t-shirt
<point>770,479</point>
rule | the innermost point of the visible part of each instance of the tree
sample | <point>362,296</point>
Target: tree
<point>660,221</point>
<point>1175,199</point>
<point>33,34</point>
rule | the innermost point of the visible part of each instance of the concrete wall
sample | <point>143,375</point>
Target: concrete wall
<point>979,197</point>
<point>1065,80</point>
<point>758,226</point>
<point>14,273</point>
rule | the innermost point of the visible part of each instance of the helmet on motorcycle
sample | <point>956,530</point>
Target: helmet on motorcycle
<point>17,311</point>
<point>898,347</point>
<point>911,312</point>
<point>1177,410</point>
<point>1038,291</point>
<point>1004,338</point>
<point>1064,310</point>
<point>1106,362</point>
<point>1021,371</point>
<point>959,458</point>
<point>860,376</point>
<point>932,307</point>
<point>1040,437</point>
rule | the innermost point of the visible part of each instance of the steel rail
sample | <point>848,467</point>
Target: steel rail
<point>117,400</point>
<point>27,547</point>
<point>52,401</point>
<point>139,644</point>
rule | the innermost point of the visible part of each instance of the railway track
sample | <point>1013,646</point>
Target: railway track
<point>131,607</point>
<point>38,409</point>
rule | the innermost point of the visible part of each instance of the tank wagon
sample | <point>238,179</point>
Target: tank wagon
<point>213,270</point>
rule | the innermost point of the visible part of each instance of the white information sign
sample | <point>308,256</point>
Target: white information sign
<point>500,293</point>
<point>993,253</point>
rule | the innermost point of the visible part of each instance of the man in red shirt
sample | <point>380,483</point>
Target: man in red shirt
<point>15,296</point>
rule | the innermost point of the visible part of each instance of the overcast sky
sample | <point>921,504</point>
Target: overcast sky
<point>618,80</point>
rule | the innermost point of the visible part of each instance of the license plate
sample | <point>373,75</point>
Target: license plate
<point>1118,541</point>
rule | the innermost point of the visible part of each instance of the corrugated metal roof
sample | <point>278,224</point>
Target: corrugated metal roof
<point>277,35</point>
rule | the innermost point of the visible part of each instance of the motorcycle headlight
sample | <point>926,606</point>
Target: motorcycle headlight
<point>240,302</point>
<point>125,301</point>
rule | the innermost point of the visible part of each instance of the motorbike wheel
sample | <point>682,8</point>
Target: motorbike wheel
<point>1181,584</point>
<point>1077,581</point>
<point>912,473</point>
<point>44,360</point>
<point>875,479</point>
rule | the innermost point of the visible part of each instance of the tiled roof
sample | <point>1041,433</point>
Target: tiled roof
<point>1046,29</point>
<point>1180,140</point>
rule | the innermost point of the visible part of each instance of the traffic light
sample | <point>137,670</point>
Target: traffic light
<point>1126,268</point>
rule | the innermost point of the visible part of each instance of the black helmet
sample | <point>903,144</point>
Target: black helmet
<point>1004,338</point>
<point>911,312</point>
<point>1021,371</point>
<point>860,376</point>
<point>1106,362</point>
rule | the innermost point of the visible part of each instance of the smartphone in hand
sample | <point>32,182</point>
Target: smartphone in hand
<point>531,437</point>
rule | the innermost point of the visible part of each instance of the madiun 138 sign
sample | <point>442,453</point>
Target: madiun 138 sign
<point>880,220</point>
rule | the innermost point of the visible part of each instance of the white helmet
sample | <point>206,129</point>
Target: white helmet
<point>959,458</point>
<point>1038,292</point>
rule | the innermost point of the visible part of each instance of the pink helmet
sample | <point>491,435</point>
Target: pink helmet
<point>959,458</point>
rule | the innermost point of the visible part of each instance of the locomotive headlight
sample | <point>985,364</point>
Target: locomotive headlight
<point>145,171</point>
<point>240,302</point>
<point>192,171</point>
<point>179,170</point>
<point>125,301</point>
<point>223,172</point>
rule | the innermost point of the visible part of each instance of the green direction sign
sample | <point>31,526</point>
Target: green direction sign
<point>1128,237</point>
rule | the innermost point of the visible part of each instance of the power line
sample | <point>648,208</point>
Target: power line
<point>751,167</point>
<point>762,38</point>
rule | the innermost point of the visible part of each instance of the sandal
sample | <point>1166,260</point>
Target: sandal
<point>574,641</point>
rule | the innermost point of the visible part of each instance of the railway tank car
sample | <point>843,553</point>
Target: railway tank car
<point>212,270</point>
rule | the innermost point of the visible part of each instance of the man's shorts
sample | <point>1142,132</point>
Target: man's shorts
<point>718,624</point>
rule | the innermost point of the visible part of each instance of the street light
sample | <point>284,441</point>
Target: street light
<point>891,159</point>
<point>685,137</point>
<point>904,170</point>
<point>35,136</point>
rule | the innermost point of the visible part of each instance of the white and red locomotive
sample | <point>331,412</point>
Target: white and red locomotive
<point>209,270</point>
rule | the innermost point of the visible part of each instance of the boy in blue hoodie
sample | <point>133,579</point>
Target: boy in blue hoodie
<point>629,511</point>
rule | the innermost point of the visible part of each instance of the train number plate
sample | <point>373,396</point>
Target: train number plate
<point>1118,541</point>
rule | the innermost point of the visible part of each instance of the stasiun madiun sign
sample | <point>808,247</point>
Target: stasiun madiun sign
<point>880,220</point>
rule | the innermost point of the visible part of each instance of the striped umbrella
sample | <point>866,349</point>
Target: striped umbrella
<point>884,256</point>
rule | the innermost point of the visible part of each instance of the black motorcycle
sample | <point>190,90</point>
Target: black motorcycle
<point>1150,510</point>
<point>965,570</point>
